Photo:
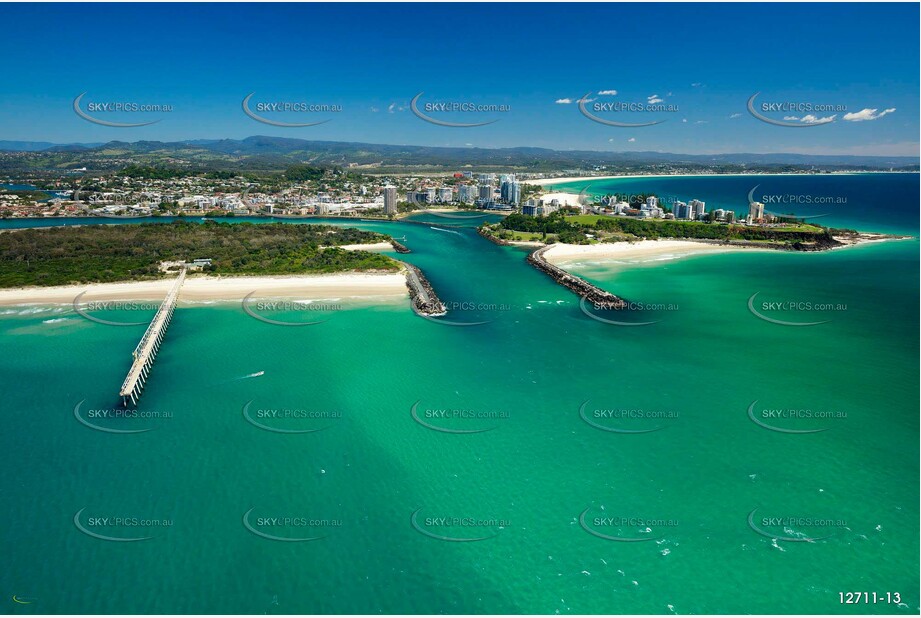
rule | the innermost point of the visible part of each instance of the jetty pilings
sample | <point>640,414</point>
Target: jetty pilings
<point>146,351</point>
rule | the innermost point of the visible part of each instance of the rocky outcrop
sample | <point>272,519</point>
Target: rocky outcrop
<point>399,247</point>
<point>488,235</point>
<point>422,296</point>
<point>592,294</point>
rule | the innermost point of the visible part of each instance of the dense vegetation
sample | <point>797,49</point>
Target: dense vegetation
<point>103,253</point>
<point>300,173</point>
<point>169,173</point>
<point>574,229</point>
<point>294,173</point>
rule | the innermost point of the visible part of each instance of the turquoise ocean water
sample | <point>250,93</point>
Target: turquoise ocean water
<point>381,492</point>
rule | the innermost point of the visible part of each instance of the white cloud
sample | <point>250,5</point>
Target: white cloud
<point>867,114</point>
<point>468,144</point>
<point>702,122</point>
<point>735,115</point>
<point>652,99</point>
<point>632,139</point>
<point>564,101</point>
<point>391,107</point>
<point>610,93</point>
<point>374,109</point>
<point>696,85</point>
<point>811,119</point>
<point>684,120</point>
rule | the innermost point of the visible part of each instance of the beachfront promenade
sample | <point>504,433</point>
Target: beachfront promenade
<point>146,351</point>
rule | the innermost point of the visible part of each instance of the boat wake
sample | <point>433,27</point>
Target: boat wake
<point>252,375</point>
<point>443,230</point>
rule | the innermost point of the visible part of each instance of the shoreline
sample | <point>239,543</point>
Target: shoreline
<point>543,182</point>
<point>209,288</point>
<point>565,198</point>
<point>374,246</point>
<point>561,254</point>
<point>667,249</point>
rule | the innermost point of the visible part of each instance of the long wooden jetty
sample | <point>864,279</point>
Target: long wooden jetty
<point>146,351</point>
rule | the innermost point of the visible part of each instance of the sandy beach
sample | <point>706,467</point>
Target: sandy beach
<point>641,251</point>
<point>565,199</point>
<point>376,246</point>
<point>203,288</point>
<point>555,181</point>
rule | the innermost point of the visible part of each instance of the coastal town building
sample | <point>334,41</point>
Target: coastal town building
<point>697,209</point>
<point>390,200</point>
<point>510,191</point>
<point>467,194</point>
<point>445,195</point>
<point>755,213</point>
<point>115,196</point>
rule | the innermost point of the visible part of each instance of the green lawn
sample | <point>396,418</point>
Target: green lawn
<point>527,236</point>
<point>592,219</point>
<point>585,219</point>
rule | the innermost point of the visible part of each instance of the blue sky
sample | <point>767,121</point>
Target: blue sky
<point>371,59</point>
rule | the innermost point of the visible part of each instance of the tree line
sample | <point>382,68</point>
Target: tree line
<point>105,253</point>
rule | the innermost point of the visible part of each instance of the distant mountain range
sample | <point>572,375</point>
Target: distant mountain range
<point>265,152</point>
<point>13,146</point>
